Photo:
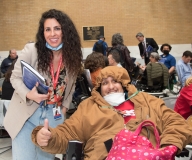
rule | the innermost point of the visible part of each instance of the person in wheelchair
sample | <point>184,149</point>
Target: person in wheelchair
<point>155,74</point>
<point>115,104</point>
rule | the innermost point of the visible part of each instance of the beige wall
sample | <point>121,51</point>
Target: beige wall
<point>166,21</point>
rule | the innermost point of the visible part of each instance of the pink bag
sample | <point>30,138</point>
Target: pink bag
<point>129,145</point>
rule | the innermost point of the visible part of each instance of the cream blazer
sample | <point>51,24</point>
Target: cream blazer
<point>20,109</point>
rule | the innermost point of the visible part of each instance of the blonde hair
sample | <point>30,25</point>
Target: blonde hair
<point>188,81</point>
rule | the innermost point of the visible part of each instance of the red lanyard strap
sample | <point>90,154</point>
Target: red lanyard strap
<point>55,79</point>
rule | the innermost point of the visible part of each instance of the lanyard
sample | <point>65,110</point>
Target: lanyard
<point>55,79</point>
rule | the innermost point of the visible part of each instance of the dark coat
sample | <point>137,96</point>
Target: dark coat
<point>149,41</point>
<point>6,64</point>
<point>152,43</point>
<point>7,90</point>
<point>126,61</point>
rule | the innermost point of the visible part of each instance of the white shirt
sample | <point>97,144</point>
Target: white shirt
<point>144,41</point>
<point>119,65</point>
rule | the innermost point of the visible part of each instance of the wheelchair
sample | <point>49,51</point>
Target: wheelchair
<point>156,90</point>
<point>82,92</point>
<point>174,85</point>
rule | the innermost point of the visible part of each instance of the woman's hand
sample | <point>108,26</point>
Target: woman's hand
<point>138,64</point>
<point>35,96</point>
<point>143,67</point>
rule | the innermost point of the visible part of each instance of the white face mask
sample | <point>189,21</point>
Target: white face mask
<point>115,99</point>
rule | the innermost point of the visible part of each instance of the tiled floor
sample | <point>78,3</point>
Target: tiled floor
<point>7,155</point>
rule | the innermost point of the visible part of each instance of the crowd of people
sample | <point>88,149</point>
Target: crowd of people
<point>57,56</point>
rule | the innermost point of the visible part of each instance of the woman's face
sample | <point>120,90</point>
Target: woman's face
<point>110,85</point>
<point>52,32</point>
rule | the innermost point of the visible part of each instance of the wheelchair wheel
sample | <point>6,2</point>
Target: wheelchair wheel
<point>173,84</point>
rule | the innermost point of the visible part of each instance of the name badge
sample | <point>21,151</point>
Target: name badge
<point>57,112</point>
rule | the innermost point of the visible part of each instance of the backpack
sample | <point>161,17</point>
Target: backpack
<point>99,47</point>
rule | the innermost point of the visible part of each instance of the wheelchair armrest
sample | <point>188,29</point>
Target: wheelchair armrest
<point>184,153</point>
<point>74,150</point>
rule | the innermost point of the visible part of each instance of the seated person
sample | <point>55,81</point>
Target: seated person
<point>167,59</point>
<point>94,62</point>
<point>155,73</point>
<point>183,105</point>
<point>100,117</point>
<point>8,61</point>
<point>183,67</point>
<point>7,89</point>
<point>114,58</point>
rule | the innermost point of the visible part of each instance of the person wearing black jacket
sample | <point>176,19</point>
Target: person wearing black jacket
<point>118,45</point>
<point>143,45</point>
<point>8,61</point>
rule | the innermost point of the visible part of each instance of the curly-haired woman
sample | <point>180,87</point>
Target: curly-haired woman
<point>94,62</point>
<point>57,56</point>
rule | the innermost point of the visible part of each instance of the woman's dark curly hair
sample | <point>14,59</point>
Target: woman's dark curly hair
<point>117,38</point>
<point>71,50</point>
<point>94,61</point>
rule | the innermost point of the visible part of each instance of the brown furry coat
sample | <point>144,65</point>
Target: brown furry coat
<point>93,125</point>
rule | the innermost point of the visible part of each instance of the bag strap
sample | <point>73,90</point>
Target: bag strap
<point>148,123</point>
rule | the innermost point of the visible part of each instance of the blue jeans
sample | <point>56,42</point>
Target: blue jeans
<point>22,146</point>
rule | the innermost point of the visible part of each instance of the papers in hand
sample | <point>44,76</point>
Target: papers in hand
<point>31,77</point>
<point>149,49</point>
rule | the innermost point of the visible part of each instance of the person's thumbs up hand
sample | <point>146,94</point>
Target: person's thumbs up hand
<point>44,134</point>
<point>46,124</point>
